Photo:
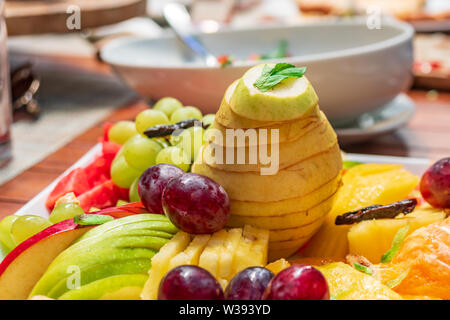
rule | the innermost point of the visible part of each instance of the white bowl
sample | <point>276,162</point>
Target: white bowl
<point>354,69</point>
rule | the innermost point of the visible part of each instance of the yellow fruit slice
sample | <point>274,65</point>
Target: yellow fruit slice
<point>291,220</point>
<point>287,131</point>
<point>192,253</point>
<point>321,138</point>
<point>274,208</point>
<point>228,253</point>
<point>285,249</point>
<point>250,249</point>
<point>289,100</point>
<point>305,231</point>
<point>373,238</point>
<point>160,264</point>
<point>292,182</point>
<point>363,185</point>
<point>346,283</point>
<point>209,259</point>
<point>278,266</point>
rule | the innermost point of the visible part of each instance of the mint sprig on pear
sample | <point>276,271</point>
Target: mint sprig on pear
<point>272,76</point>
<point>92,219</point>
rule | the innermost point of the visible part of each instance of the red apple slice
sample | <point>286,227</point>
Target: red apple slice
<point>24,266</point>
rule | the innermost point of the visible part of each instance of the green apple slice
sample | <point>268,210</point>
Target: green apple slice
<point>98,289</point>
<point>289,100</point>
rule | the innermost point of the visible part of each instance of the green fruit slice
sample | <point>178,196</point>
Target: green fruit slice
<point>289,100</point>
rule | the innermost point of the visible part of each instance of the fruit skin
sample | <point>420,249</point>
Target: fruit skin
<point>38,252</point>
<point>196,204</point>
<point>298,282</point>
<point>111,288</point>
<point>121,131</point>
<point>120,246</point>
<point>152,184</point>
<point>41,249</point>
<point>150,118</point>
<point>175,156</point>
<point>5,232</point>
<point>186,113</point>
<point>26,226</point>
<point>189,283</point>
<point>435,184</point>
<point>346,283</point>
<point>289,100</point>
<point>249,284</point>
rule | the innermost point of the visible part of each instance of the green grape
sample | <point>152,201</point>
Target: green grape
<point>93,209</point>
<point>27,226</point>
<point>133,192</point>
<point>150,118</point>
<point>65,211</point>
<point>208,119</point>
<point>190,140</point>
<point>163,142</point>
<point>140,152</point>
<point>5,231</point>
<point>168,105</point>
<point>121,131</point>
<point>122,174</point>
<point>175,156</point>
<point>121,203</point>
<point>186,113</point>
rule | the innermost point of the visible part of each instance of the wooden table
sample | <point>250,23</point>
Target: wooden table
<point>426,135</point>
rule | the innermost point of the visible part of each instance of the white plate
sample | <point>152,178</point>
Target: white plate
<point>370,125</point>
<point>36,205</point>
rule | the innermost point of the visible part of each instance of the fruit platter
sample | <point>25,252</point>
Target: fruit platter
<point>255,202</point>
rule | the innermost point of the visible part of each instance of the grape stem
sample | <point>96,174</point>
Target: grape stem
<point>163,130</point>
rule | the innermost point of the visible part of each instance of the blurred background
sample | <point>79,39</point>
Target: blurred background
<point>61,84</point>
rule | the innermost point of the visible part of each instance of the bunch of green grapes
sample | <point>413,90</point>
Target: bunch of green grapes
<point>139,152</point>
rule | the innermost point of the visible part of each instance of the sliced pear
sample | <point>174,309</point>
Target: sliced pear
<point>291,99</point>
<point>209,259</point>
<point>288,131</point>
<point>276,208</point>
<point>292,182</point>
<point>160,264</point>
<point>192,253</point>
<point>291,220</point>
<point>303,231</point>
<point>321,138</point>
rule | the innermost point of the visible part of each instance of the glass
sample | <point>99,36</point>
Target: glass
<point>5,100</point>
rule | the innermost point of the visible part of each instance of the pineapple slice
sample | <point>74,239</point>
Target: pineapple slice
<point>209,259</point>
<point>363,185</point>
<point>160,264</point>
<point>228,253</point>
<point>372,238</point>
<point>346,283</point>
<point>278,266</point>
<point>192,253</point>
<point>252,249</point>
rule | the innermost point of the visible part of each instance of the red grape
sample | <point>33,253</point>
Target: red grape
<point>189,282</point>
<point>435,184</point>
<point>249,284</point>
<point>298,282</point>
<point>152,183</point>
<point>196,204</point>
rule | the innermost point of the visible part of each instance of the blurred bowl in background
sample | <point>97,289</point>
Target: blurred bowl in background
<point>354,69</point>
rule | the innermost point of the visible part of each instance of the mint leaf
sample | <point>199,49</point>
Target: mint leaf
<point>92,219</point>
<point>272,76</point>
<point>363,268</point>
<point>396,244</point>
<point>347,164</point>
